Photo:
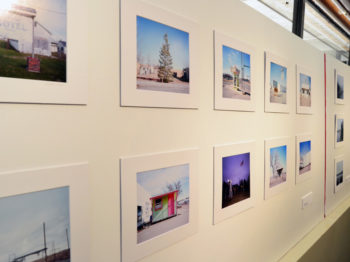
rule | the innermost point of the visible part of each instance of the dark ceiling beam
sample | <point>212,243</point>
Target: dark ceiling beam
<point>298,17</point>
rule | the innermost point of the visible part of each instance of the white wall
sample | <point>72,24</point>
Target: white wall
<point>102,132</point>
<point>333,199</point>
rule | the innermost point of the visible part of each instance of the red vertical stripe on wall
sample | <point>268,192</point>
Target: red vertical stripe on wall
<point>325,135</point>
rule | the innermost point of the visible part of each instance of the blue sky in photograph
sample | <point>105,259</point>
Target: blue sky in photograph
<point>305,79</point>
<point>339,166</point>
<point>340,80</point>
<point>22,218</point>
<point>339,122</point>
<point>279,74</point>
<point>231,57</point>
<point>281,151</point>
<point>155,181</point>
<point>52,14</point>
<point>236,168</point>
<point>305,147</point>
<point>150,38</point>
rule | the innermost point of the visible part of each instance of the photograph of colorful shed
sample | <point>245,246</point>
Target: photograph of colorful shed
<point>164,206</point>
<point>162,201</point>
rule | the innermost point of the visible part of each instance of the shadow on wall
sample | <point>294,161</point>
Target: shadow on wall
<point>333,245</point>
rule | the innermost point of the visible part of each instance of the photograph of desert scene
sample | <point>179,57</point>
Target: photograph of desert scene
<point>35,227</point>
<point>278,84</point>
<point>339,174</point>
<point>33,39</point>
<point>235,179</point>
<point>340,87</point>
<point>162,201</point>
<point>305,90</point>
<point>278,165</point>
<point>162,57</point>
<point>305,157</point>
<point>236,74</point>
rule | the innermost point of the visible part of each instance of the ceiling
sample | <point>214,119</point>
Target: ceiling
<point>318,30</point>
<point>339,8</point>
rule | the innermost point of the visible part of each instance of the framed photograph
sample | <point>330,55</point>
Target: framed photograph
<point>338,87</point>
<point>339,130</point>
<point>162,189</point>
<point>304,91</point>
<point>44,214</point>
<point>277,165</point>
<point>234,74</point>
<point>338,173</point>
<point>42,56</point>
<point>234,179</point>
<point>303,158</point>
<point>277,74</point>
<point>159,57</point>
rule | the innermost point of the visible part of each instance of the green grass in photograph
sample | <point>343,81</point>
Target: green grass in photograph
<point>14,64</point>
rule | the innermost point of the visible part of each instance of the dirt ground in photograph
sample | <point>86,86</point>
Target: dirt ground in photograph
<point>305,169</point>
<point>176,86</point>
<point>236,198</point>
<point>305,100</point>
<point>166,225</point>
<point>279,99</point>
<point>274,181</point>
<point>230,92</point>
<point>62,256</point>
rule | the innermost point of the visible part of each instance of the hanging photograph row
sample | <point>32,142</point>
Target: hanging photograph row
<point>164,47</point>
<point>164,204</point>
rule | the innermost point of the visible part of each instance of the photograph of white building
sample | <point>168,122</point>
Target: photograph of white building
<point>37,29</point>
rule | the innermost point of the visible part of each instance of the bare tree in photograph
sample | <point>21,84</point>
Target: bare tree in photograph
<point>165,62</point>
<point>174,186</point>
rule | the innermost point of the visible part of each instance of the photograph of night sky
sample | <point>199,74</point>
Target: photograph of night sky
<point>235,179</point>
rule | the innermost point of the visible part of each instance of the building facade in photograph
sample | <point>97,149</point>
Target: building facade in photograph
<point>305,89</point>
<point>144,207</point>
<point>164,206</point>
<point>16,27</point>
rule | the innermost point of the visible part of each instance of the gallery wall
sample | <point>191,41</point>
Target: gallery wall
<point>263,228</point>
<point>102,132</point>
<point>334,198</point>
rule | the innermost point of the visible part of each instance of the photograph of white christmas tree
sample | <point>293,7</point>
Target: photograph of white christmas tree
<point>162,57</point>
